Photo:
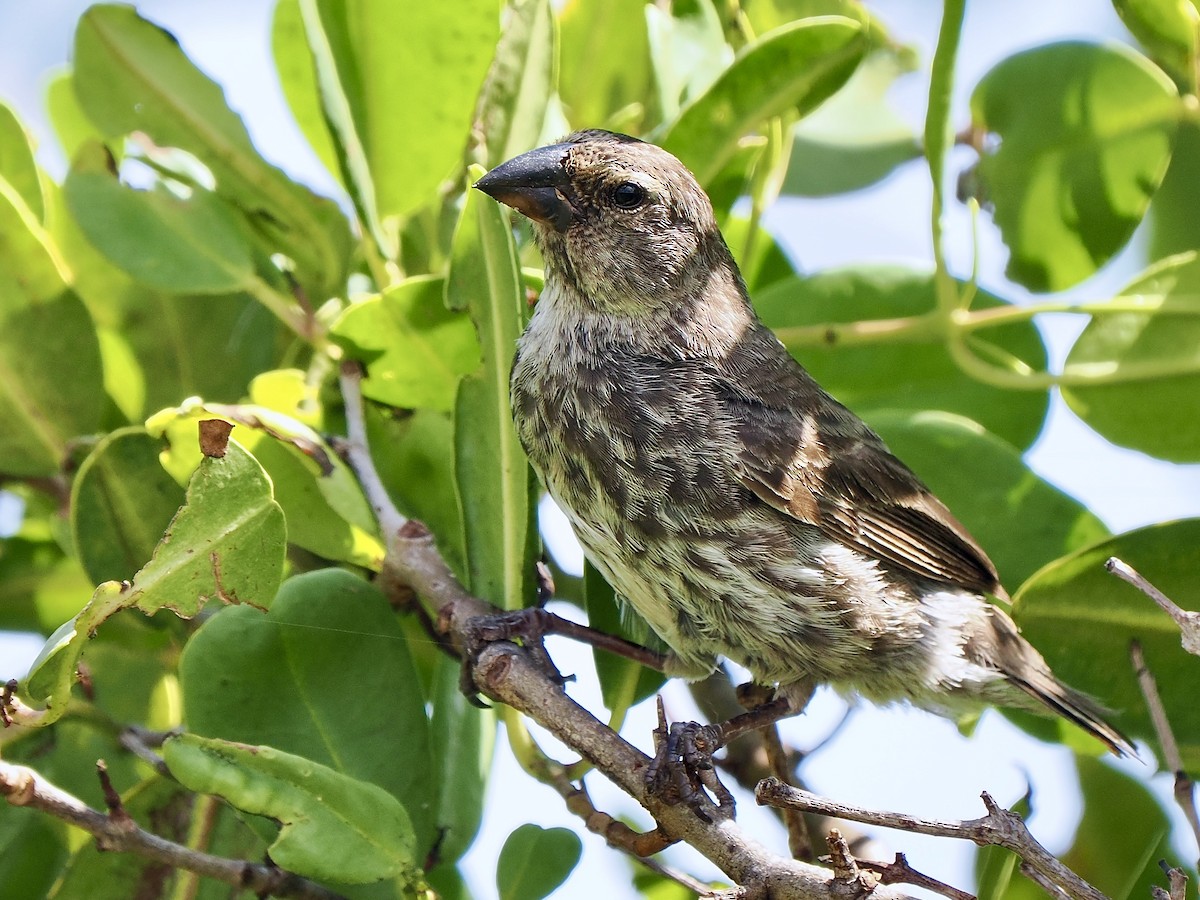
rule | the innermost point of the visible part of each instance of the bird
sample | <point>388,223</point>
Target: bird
<point>734,504</point>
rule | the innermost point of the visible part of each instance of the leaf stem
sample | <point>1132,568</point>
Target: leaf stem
<point>938,139</point>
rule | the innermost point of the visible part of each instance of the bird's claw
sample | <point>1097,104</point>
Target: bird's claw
<point>524,626</point>
<point>682,769</point>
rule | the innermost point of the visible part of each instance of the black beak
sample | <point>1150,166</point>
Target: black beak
<point>534,183</point>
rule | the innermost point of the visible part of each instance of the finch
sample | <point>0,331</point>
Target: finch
<point>739,508</point>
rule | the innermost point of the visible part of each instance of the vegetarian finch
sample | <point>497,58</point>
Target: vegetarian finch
<point>740,509</point>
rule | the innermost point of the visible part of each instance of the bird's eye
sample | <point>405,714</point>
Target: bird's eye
<point>628,195</point>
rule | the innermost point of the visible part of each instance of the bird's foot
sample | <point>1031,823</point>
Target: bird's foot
<point>526,627</point>
<point>682,769</point>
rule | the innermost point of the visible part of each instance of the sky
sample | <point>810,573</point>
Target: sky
<point>896,758</point>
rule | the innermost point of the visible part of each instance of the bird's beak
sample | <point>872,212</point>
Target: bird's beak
<point>534,183</point>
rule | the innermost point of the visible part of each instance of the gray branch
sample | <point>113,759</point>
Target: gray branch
<point>116,830</point>
<point>1000,827</point>
<point>1187,620</point>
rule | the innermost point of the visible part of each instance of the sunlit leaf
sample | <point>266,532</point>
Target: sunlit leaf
<point>1085,134</point>
<point>121,503</point>
<point>226,542</point>
<point>18,170</point>
<point>193,245</point>
<point>415,348</point>
<point>131,75</point>
<point>917,373</point>
<point>394,155</point>
<point>520,82</point>
<point>535,860</point>
<point>1164,342</point>
<point>797,67</point>
<point>283,678</point>
<point>332,826</point>
<point>594,82</point>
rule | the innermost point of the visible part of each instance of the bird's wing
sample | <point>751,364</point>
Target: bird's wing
<point>816,461</point>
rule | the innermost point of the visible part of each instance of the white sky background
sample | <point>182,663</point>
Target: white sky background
<point>894,759</point>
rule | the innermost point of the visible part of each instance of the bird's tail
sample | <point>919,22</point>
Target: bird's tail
<point>1024,667</point>
<point>1073,706</point>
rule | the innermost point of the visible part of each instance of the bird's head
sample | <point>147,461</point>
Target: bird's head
<point>621,222</point>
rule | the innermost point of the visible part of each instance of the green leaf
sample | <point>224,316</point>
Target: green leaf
<point>520,82</point>
<point>311,677</point>
<point>1082,619</point>
<point>416,348</point>
<point>797,67</point>
<point>463,738</point>
<point>1169,30</point>
<point>1174,227</point>
<point>131,75</point>
<point>192,245</point>
<point>594,82</point>
<point>1121,816</point>
<point>40,586</point>
<point>52,672</point>
<point>495,482</point>
<point>19,172</point>
<point>44,404</point>
<point>394,155</point>
<point>1021,521</point>
<point>1085,134</point>
<point>916,374</point>
<point>32,852</point>
<point>226,542</point>
<point>688,51</point>
<point>535,860</point>
<point>768,263</point>
<point>71,124</point>
<point>855,138</point>
<point>209,346</point>
<point>623,682</point>
<point>121,503</point>
<point>321,499</point>
<point>297,76</point>
<point>333,827</point>
<point>1144,412</point>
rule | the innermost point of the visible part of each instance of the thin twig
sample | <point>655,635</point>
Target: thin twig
<point>799,840</point>
<point>1177,880</point>
<point>141,742</point>
<point>1185,788</point>
<point>22,786</point>
<point>390,519</point>
<point>1187,620</point>
<point>899,871</point>
<point>1000,827</point>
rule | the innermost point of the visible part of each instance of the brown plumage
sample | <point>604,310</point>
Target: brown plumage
<point>741,510</point>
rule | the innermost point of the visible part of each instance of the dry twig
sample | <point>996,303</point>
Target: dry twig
<point>1187,620</point>
<point>116,830</point>
<point>1185,788</point>
<point>1000,827</point>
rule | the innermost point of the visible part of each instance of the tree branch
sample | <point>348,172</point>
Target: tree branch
<point>1187,620</point>
<point>1000,827</point>
<point>22,786</point>
<point>1185,788</point>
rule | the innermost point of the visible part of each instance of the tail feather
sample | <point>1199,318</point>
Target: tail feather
<point>1075,707</point>
<point>1005,649</point>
